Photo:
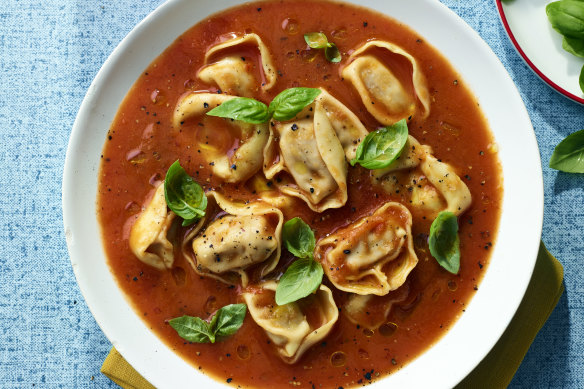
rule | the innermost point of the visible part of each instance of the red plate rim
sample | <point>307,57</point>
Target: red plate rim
<point>535,69</point>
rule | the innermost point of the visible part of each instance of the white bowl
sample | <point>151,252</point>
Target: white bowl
<point>513,257</point>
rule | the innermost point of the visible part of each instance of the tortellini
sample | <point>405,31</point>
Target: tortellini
<point>268,193</point>
<point>234,240</point>
<point>293,328</point>
<point>313,148</point>
<point>387,97</point>
<point>448,183</point>
<point>233,74</point>
<point>373,255</point>
<point>235,165</point>
<point>433,185</point>
<point>369,311</point>
<point>148,236</point>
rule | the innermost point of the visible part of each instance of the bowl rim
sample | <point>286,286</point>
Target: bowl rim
<point>149,355</point>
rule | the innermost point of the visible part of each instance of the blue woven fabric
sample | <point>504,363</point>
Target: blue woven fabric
<point>50,52</point>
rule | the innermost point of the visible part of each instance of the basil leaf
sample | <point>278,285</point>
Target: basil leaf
<point>581,79</point>
<point>242,108</point>
<point>291,101</point>
<point>193,329</point>
<point>332,53</point>
<point>183,195</point>
<point>567,17</point>
<point>568,155</point>
<point>444,242</point>
<point>316,40</point>
<point>298,238</point>
<point>301,279</point>
<point>304,275</point>
<point>574,46</point>
<point>228,320</point>
<point>225,322</point>
<point>381,147</point>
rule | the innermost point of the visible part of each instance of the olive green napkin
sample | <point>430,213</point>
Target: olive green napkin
<point>498,367</point>
<point>122,373</point>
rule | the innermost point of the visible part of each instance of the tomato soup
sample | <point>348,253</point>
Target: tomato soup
<point>142,143</point>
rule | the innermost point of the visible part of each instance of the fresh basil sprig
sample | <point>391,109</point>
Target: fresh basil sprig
<point>224,323</point>
<point>285,106</point>
<point>304,276</point>
<point>183,195</point>
<point>242,108</point>
<point>444,242</point>
<point>567,18</point>
<point>318,40</point>
<point>290,102</point>
<point>381,147</point>
<point>568,155</point>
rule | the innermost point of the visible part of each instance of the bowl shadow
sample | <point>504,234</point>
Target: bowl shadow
<point>567,182</point>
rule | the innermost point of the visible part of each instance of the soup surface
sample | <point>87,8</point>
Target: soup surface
<point>143,142</point>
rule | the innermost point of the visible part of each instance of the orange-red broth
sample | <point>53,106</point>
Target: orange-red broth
<point>141,145</point>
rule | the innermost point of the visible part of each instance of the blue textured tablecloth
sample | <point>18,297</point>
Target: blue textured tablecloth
<point>49,53</point>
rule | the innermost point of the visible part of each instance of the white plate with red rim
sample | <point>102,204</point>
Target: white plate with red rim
<point>540,46</point>
<point>514,254</point>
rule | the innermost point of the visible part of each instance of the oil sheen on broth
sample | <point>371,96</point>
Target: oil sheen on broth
<point>403,316</point>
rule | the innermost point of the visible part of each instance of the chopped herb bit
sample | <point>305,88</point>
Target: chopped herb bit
<point>318,40</point>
